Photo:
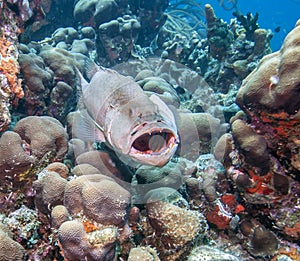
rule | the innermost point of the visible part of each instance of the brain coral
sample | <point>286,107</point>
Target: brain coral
<point>90,214</point>
<point>13,158</point>
<point>99,197</point>
<point>44,136</point>
<point>49,191</point>
<point>10,250</point>
<point>99,245</point>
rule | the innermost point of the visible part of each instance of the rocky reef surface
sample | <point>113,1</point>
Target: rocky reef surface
<point>231,192</point>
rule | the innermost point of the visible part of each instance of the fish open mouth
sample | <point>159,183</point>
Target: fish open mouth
<point>155,142</point>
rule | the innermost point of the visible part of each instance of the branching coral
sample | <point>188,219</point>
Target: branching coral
<point>249,22</point>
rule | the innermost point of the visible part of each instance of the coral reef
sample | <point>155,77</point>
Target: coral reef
<point>248,21</point>
<point>49,78</point>
<point>170,175</point>
<point>224,58</point>
<point>96,195</point>
<point>270,86</point>
<point>151,17</point>
<point>14,14</point>
<point>49,191</point>
<point>200,131</point>
<point>116,39</point>
<point>262,242</point>
<point>231,189</point>
<point>91,210</point>
<point>271,109</point>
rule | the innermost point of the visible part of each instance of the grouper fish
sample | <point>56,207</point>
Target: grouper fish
<point>115,110</point>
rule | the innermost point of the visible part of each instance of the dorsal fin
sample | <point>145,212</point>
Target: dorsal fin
<point>82,85</point>
<point>91,68</point>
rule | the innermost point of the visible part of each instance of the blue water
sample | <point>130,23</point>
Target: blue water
<point>272,13</point>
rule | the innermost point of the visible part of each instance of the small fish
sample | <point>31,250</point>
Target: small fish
<point>277,29</point>
<point>114,109</point>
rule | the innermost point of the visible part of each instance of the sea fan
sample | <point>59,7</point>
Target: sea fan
<point>188,15</point>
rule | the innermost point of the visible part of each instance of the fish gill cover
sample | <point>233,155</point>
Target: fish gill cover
<point>150,130</point>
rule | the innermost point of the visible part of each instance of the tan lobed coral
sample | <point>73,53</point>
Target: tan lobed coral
<point>97,245</point>
<point>10,250</point>
<point>99,198</point>
<point>116,38</point>
<point>14,159</point>
<point>103,207</point>
<point>252,145</point>
<point>45,136</point>
<point>90,210</point>
<point>274,84</point>
<point>149,177</point>
<point>198,132</point>
<point>34,142</point>
<point>37,83</point>
<point>49,191</point>
<point>61,63</point>
<point>100,160</point>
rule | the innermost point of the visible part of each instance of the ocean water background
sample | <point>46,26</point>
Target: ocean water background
<point>272,13</point>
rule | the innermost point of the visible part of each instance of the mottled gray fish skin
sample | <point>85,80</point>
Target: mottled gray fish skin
<point>116,110</point>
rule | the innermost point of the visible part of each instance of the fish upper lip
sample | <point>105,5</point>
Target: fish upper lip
<point>154,126</point>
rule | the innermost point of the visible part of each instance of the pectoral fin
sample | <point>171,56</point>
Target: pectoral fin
<point>85,128</point>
